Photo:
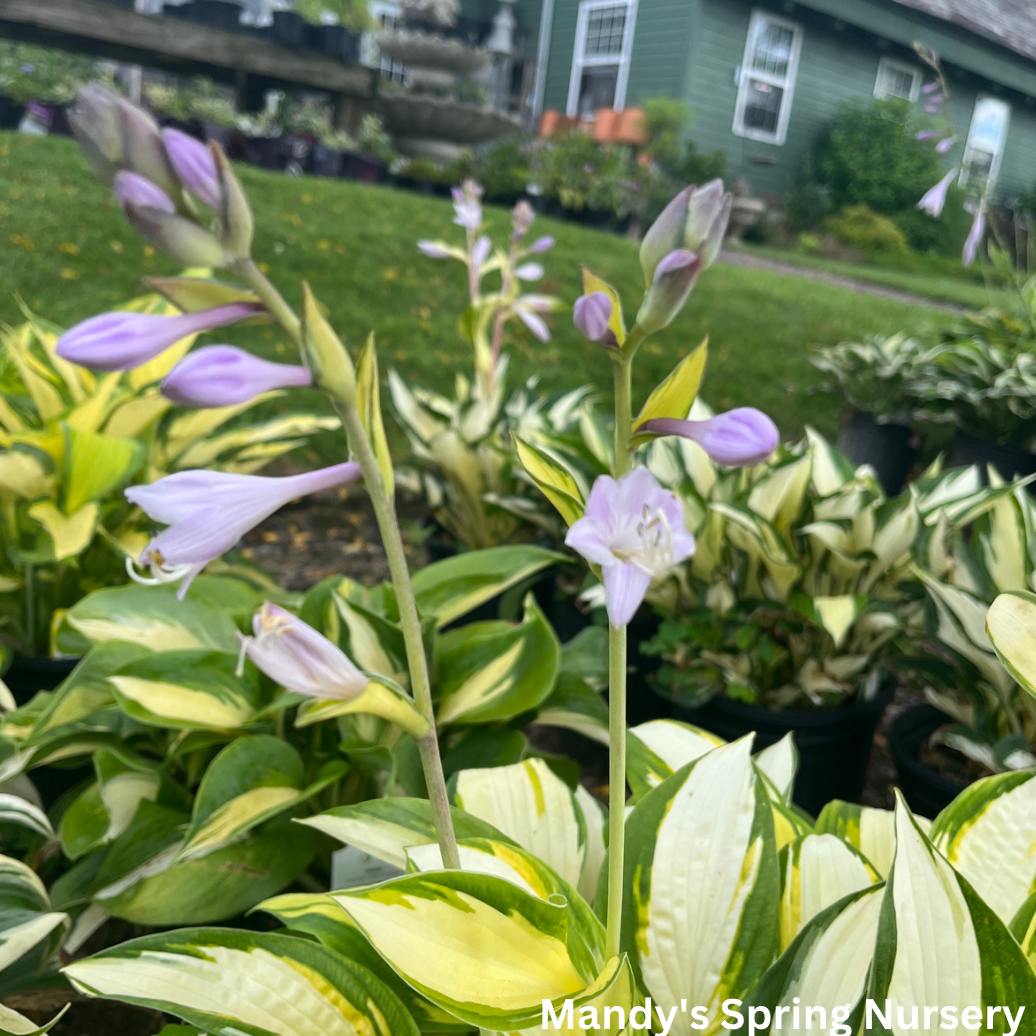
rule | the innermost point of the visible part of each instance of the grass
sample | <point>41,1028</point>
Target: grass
<point>67,251</point>
<point>926,277</point>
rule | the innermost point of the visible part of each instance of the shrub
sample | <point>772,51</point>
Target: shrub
<point>862,228</point>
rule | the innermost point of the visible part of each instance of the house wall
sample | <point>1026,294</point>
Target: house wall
<point>693,49</point>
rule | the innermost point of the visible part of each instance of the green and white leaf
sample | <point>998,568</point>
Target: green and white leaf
<point>22,813</point>
<point>657,749</point>
<point>1011,622</point>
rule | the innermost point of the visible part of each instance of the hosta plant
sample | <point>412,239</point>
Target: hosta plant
<point>72,439</point>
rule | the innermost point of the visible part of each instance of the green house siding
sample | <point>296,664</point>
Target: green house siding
<point>693,49</point>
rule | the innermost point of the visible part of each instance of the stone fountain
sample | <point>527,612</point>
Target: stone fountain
<point>427,119</point>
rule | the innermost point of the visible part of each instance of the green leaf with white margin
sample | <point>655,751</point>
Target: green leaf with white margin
<point>1011,622</point>
<point>831,469</point>
<point>614,987</point>
<point>22,813</point>
<point>321,917</point>
<point>381,697</point>
<point>871,831</point>
<point>675,396</point>
<point>963,955</point>
<point>373,642</point>
<point>18,1025</point>
<point>452,588</point>
<point>30,932</point>
<point>780,762</point>
<point>818,871</point>
<point>575,705</point>
<point>230,982</point>
<point>552,478</point>
<point>534,807</point>
<point>657,749</point>
<point>780,494</point>
<point>251,781</point>
<point>491,671</point>
<point>189,690</point>
<point>759,539</point>
<point>150,616</point>
<point>827,964</point>
<point>386,828</point>
<point>475,945</point>
<point>595,819</point>
<point>987,834</point>
<point>95,465</point>
<point>701,912</point>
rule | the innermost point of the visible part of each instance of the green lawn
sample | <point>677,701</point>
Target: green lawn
<point>938,278</point>
<point>67,251</point>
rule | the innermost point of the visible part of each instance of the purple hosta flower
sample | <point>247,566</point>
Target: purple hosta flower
<point>434,250</point>
<point>480,250</point>
<point>633,529</point>
<point>527,308</point>
<point>220,375</point>
<point>934,104</point>
<point>298,658</point>
<point>522,216</point>
<point>467,204</point>
<point>591,315</point>
<point>739,438</point>
<point>207,512</point>
<point>672,282</point>
<point>945,144</point>
<point>928,134</point>
<point>935,197</point>
<point>975,235</point>
<point>541,244</point>
<point>134,189</point>
<point>192,161</point>
<point>695,220</point>
<point>529,272</point>
<point>122,341</point>
<point>932,87</point>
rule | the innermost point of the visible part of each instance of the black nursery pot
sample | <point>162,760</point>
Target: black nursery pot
<point>1010,461</point>
<point>834,745</point>
<point>220,14</point>
<point>927,791</point>
<point>889,448</point>
<point>11,113</point>
<point>334,41</point>
<point>288,29</point>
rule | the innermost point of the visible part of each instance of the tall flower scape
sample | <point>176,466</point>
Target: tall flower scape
<point>518,907</point>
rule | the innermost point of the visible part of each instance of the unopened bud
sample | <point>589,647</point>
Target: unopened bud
<point>674,278</point>
<point>193,164</point>
<point>592,315</point>
<point>235,214</point>
<point>134,189</point>
<point>326,356</point>
<point>181,238</point>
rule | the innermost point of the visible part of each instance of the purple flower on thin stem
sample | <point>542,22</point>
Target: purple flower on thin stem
<point>221,375</point>
<point>433,250</point>
<point>541,244</point>
<point>932,87</point>
<point>737,438</point>
<point>193,164</point>
<point>527,308</point>
<point>467,204</point>
<point>522,217</point>
<point>122,341</point>
<point>634,530</point>
<point>935,197</point>
<point>529,272</point>
<point>975,235</point>
<point>945,144</point>
<point>134,189</point>
<point>934,104</point>
<point>298,658</point>
<point>480,251</point>
<point>928,134</point>
<point>207,512</point>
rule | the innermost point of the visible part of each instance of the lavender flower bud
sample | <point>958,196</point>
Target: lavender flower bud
<point>134,189</point>
<point>674,278</point>
<point>220,375</point>
<point>193,164</point>
<point>540,245</point>
<point>591,316</point>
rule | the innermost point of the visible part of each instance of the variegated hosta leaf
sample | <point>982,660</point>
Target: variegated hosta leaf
<point>575,705</point>
<point>530,804</point>
<point>657,749</point>
<point>988,833</point>
<point>780,762</point>
<point>961,956</point>
<point>475,945</point>
<point>595,819</point>
<point>452,588</point>
<point>232,982</point>
<point>818,871</point>
<point>1011,622</point>
<point>871,831</point>
<point>701,914</point>
<point>386,828</point>
<point>18,1025</point>
<point>30,931</point>
<point>373,642</point>
<point>615,987</point>
<point>491,671</point>
<point>22,813</point>
<point>825,967</point>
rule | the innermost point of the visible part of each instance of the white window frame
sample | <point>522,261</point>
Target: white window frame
<point>580,61</point>
<point>370,55</point>
<point>786,82</point>
<point>969,150</point>
<point>899,66</point>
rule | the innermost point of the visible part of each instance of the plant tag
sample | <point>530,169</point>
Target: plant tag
<point>351,867</point>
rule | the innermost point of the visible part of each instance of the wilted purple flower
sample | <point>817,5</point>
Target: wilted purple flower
<point>975,236</point>
<point>738,438</point>
<point>928,134</point>
<point>945,144</point>
<point>634,529</point>
<point>298,658</point>
<point>529,272</point>
<point>122,341</point>
<point>433,250</point>
<point>134,189</point>
<point>467,204</point>
<point>528,308</point>
<point>480,250</point>
<point>221,375</point>
<point>209,511</point>
<point>935,197</point>
<point>541,244</point>
<point>591,315</point>
<point>193,164</point>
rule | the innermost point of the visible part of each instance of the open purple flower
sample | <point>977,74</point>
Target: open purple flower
<point>296,656</point>
<point>934,198</point>
<point>221,375</point>
<point>975,236</point>
<point>209,511</point>
<point>633,529</point>
<point>737,438</point>
<point>467,205</point>
<point>527,308</point>
<point>121,341</point>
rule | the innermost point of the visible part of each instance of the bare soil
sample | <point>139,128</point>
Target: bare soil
<point>86,1017</point>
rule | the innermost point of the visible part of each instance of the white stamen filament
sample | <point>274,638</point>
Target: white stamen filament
<point>160,573</point>
<point>656,538</point>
